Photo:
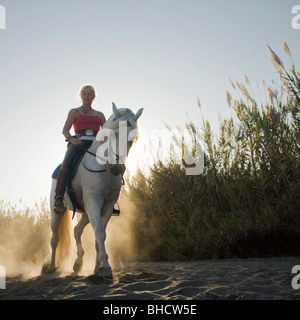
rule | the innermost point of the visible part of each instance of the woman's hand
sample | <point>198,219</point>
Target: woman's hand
<point>75,141</point>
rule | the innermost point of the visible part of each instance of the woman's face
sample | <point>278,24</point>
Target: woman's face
<point>87,95</point>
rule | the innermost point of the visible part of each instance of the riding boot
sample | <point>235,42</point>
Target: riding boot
<point>62,181</point>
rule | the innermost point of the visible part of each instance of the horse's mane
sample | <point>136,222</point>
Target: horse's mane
<point>126,114</point>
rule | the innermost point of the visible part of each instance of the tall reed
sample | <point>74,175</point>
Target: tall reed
<point>246,202</point>
<point>24,237</point>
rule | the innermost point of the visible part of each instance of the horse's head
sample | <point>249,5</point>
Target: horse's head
<point>117,136</point>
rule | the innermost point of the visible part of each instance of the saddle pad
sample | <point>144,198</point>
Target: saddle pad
<point>55,172</point>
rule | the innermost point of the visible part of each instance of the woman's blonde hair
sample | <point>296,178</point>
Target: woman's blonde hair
<point>84,87</point>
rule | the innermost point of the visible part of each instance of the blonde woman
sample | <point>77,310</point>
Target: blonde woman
<point>86,122</point>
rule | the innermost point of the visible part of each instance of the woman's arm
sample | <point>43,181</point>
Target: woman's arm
<point>102,117</point>
<point>68,125</point>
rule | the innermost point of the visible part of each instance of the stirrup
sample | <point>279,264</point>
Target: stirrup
<point>59,206</point>
<point>116,212</point>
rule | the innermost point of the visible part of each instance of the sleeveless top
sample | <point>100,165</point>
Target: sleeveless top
<point>84,122</point>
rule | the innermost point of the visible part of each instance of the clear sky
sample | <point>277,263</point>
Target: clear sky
<point>155,54</point>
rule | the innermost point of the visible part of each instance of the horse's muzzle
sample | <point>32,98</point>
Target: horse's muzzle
<point>117,169</point>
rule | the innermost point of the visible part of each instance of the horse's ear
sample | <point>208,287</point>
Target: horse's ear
<point>116,112</point>
<point>138,114</point>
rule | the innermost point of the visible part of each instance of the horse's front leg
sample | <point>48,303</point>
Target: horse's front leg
<point>94,208</point>
<point>105,217</point>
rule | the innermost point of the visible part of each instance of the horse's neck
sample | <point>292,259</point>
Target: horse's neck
<point>94,146</point>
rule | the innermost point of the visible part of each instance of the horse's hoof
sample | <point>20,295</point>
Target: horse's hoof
<point>48,268</point>
<point>104,273</point>
<point>77,267</point>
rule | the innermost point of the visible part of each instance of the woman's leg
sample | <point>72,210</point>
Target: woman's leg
<point>72,155</point>
<point>61,184</point>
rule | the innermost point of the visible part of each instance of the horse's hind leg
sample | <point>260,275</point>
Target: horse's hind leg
<point>77,234</point>
<point>55,220</point>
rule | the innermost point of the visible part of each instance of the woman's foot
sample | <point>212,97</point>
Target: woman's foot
<point>59,206</point>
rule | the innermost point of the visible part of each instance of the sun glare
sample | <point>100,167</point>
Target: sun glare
<point>139,155</point>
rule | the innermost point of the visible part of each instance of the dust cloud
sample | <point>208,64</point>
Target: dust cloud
<point>120,241</point>
<point>25,240</point>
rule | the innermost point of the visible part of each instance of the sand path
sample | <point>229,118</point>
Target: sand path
<point>259,278</point>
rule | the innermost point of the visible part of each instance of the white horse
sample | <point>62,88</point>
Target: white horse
<point>96,185</point>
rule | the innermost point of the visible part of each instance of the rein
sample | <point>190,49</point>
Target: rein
<point>90,170</point>
<point>95,155</point>
<point>92,153</point>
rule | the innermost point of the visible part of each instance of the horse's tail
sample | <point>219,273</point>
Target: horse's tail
<point>65,239</point>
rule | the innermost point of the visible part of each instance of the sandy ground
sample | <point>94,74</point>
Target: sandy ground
<point>233,279</point>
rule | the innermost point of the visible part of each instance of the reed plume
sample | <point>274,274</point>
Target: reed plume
<point>246,200</point>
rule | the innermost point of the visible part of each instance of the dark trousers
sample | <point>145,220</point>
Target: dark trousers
<point>72,156</point>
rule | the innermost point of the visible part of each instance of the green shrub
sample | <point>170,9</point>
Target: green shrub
<point>246,202</point>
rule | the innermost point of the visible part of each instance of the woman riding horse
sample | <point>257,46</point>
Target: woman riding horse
<point>86,122</point>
